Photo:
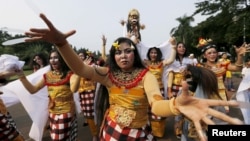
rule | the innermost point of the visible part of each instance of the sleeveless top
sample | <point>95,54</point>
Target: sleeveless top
<point>60,94</point>
<point>128,102</point>
<point>157,71</point>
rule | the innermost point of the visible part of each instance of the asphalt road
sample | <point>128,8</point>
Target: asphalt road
<point>23,121</point>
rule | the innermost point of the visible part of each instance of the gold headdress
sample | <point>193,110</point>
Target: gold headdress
<point>205,44</point>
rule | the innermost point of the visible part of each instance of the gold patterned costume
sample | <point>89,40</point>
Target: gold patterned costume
<point>128,101</point>
<point>62,112</point>
<point>220,71</point>
<point>60,95</point>
<point>142,79</point>
<point>158,123</point>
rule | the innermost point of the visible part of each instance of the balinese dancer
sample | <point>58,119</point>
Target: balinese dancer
<point>131,87</point>
<point>210,61</point>
<point>199,86</point>
<point>156,64</point>
<point>174,76</point>
<point>61,84</point>
<point>8,129</point>
<point>87,95</point>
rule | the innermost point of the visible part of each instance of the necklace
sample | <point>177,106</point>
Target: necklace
<point>127,79</point>
<point>56,72</point>
<point>154,62</point>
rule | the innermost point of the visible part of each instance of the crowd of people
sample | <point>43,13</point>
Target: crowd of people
<point>123,96</point>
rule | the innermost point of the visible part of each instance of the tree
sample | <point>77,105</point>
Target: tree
<point>184,30</point>
<point>226,21</point>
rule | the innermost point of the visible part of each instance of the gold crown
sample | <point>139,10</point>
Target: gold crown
<point>203,42</point>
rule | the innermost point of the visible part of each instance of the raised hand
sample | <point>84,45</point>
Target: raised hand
<point>88,60</point>
<point>104,40</point>
<point>50,34</point>
<point>198,110</point>
<point>242,49</point>
<point>172,41</point>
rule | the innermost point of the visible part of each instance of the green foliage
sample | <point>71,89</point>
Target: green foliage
<point>225,24</point>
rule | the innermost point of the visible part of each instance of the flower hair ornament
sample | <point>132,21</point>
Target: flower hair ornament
<point>205,44</point>
<point>132,47</point>
<point>117,46</point>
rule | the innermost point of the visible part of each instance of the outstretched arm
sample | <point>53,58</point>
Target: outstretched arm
<point>195,109</point>
<point>30,87</point>
<point>54,36</point>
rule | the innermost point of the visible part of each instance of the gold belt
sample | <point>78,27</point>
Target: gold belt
<point>59,99</point>
<point>63,99</point>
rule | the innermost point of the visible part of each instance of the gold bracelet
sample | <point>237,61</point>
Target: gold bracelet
<point>238,65</point>
<point>175,111</point>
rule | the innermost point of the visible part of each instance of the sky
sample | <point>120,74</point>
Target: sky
<point>93,18</point>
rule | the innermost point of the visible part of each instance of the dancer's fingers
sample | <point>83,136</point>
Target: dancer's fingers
<point>224,117</point>
<point>199,131</point>
<point>213,102</point>
<point>207,120</point>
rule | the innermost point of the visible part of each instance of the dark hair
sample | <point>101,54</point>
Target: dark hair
<point>64,67</point>
<point>129,28</point>
<point>112,63</point>
<point>206,47</point>
<point>86,55</point>
<point>159,54</point>
<point>42,56</point>
<point>206,78</point>
<point>185,53</point>
<point>102,103</point>
<point>101,62</point>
